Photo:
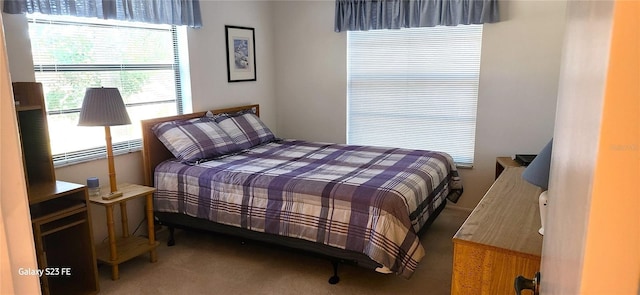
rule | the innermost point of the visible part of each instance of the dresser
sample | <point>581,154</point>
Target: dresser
<point>499,240</point>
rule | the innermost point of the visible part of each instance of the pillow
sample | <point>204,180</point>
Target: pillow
<point>195,139</point>
<point>245,129</point>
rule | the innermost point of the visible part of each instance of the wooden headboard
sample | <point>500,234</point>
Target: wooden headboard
<point>154,151</point>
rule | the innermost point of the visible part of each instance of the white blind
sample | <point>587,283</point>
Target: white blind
<point>72,53</point>
<point>414,88</point>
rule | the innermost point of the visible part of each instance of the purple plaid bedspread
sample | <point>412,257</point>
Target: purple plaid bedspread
<point>366,199</point>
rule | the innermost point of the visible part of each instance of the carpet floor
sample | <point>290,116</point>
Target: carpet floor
<point>206,263</point>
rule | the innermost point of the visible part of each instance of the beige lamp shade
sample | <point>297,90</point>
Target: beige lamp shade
<point>103,107</point>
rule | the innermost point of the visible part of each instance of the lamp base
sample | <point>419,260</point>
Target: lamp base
<point>112,195</point>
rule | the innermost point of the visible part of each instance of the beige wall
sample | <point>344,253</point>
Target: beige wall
<point>18,47</point>
<point>516,99</point>
<point>311,72</point>
<point>209,84</point>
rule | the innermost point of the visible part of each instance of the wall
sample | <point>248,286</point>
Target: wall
<point>516,98</point>
<point>207,51</point>
<point>18,48</point>
<point>311,67</point>
<point>17,249</point>
<point>209,86</point>
<point>592,242</point>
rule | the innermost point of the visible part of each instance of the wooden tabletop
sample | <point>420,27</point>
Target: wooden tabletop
<point>40,192</point>
<point>509,214</point>
<point>507,162</point>
<point>128,190</point>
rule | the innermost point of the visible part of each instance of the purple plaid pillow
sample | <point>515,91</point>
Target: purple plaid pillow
<point>245,129</point>
<point>195,139</point>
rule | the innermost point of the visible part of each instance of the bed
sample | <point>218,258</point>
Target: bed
<point>358,204</point>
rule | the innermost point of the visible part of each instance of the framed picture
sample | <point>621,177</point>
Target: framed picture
<point>241,54</point>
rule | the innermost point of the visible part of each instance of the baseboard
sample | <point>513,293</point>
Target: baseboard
<point>459,208</point>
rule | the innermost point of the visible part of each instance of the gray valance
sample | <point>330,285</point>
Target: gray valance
<point>363,15</point>
<point>170,12</point>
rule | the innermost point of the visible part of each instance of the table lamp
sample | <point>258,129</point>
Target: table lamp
<point>537,173</point>
<point>104,107</point>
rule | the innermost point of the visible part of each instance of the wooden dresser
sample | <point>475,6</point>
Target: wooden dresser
<point>500,239</point>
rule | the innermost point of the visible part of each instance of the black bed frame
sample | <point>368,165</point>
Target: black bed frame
<point>333,254</point>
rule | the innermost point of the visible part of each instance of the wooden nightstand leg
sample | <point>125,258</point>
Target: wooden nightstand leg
<point>150,227</point>
<point>112,242</point>
<point>115,274</point>
<point>125,221</point>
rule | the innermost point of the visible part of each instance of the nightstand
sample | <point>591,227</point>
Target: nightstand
<point>504,162</point>
<point>119,250</point>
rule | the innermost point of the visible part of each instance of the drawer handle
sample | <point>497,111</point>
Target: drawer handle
<point>522,283</point>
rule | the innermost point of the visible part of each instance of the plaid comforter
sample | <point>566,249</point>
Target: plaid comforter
<point>366,199</point>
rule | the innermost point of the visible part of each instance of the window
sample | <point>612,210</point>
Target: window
<point>71,54</point>
<point>414,88</point>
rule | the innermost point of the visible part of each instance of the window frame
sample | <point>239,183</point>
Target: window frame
<point>121,147</point>
<point>375,72</point>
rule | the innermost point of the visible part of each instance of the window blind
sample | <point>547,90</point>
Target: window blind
<point>415,88</point>
<point>71,54</point>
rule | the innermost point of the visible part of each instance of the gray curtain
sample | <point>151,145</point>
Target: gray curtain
<point>171,12</point>
<point>363,15</point>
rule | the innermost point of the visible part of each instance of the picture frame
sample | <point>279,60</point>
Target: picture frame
<point>241,53</point>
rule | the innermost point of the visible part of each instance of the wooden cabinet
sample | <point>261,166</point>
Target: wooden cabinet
<point>34,132</point>
<point>500,239</point>
<point>62,234</point>
<point>60,213</point>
